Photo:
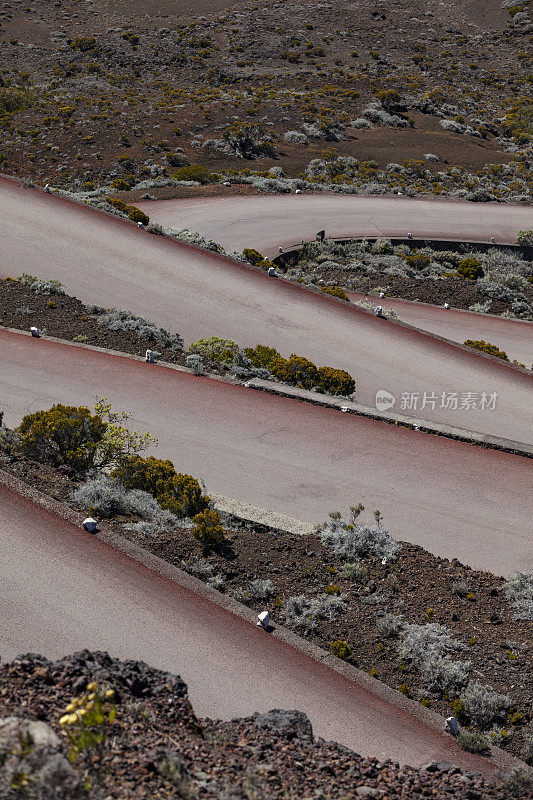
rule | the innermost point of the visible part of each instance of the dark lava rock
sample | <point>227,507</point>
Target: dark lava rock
<point>32,764</point>
<point>292,724</point>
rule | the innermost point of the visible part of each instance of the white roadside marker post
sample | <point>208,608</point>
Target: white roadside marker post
<point>263,620</point>
<point>90,525</point>
<point>451,726</point>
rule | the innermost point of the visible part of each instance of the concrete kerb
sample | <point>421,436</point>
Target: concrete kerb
<point>315,398</point>
<point>499,760</point>
<point>260,518</point>
<point>289,285</point>
<point>423,425</point>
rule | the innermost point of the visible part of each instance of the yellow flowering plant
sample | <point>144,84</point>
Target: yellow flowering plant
<point>87,719</point>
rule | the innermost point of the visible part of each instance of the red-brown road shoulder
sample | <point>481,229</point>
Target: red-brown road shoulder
<point>106,261</point>
<point>512,335</point>
<point>62,590</point>
<point>292,458</point>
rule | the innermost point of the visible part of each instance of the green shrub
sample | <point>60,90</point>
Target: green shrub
<point>458,711</point>
<point>83,43</point>
<point>177,160</point>
<point>195,172</point>
<point>390,99</point>
<point>340,649</point>
<point>12,100</point>
<point>518,781</point>
<point>215,349</point>
<point>131,37</point>
<point>404,689</point>
<point>136,215</point>
<point>208,528</point>
<point>335,291</point>
<point>486,347</point>
<point>335,381</point>
<point>121,184</point>
<point>296,371</point>
<point>253,256</point>
<point>417,260</point>
<point>117,203</point>
<point>332,589</point>
<point>63,435</point>
<point>181,494</point>
<point>470,268</point>
<point>261,355</point>
<point>473,742</point>
<point>524,237</point>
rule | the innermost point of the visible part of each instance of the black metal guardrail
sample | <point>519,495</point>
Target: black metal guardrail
<point>289,257</point>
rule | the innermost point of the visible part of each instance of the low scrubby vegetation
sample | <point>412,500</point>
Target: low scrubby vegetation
<point>63,436</point>
<point>486,347</point>
<point>146,331</point>
<point>496,280</point>
<point>180,494</point>
<point>350,540</point>
<point>113,479</point>
<point>266,362</point>
<point>519,590</point>
<point>39,286</point>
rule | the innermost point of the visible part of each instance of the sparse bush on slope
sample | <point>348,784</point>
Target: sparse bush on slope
<point>145,330</point>
<point>483,705</point>
<point>352,540</point>
<point>519,591</point>
<point>175,492</point>
<point>107,497</point>
<point>64,435</point>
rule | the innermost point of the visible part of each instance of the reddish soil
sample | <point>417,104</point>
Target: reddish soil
<point>157,748</point>
<point>67,318</point>
<point>137,88</point>
<point>418,587</point>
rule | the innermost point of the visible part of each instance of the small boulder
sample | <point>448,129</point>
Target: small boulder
<point>292,724</point>
<point>31,752</point>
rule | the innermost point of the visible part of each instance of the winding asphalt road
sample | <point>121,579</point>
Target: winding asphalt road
<point>293,458</point>
<point>75,591</point>
<point>513,336</point>
<point>62,590</point>
<point>105,261</point>
<point>267,221</point>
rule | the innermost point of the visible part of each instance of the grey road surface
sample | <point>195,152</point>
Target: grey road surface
<point>105,261</point>
<point>293,458</point>
<point>62,590</point>
<point>267,221</point>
